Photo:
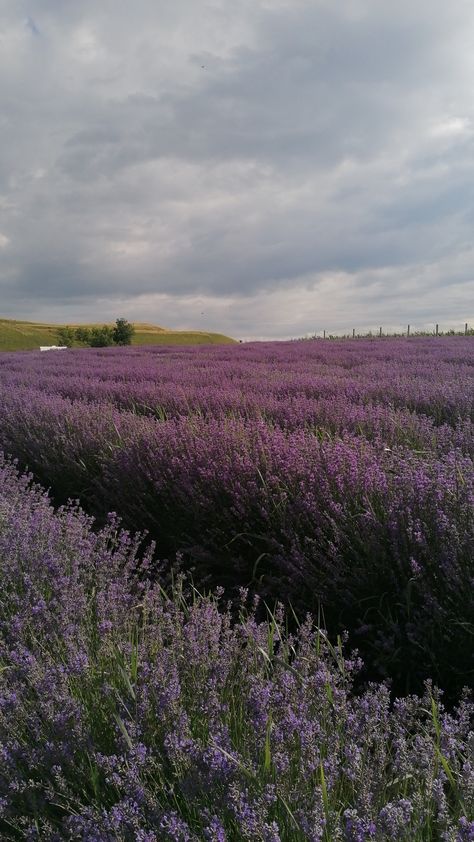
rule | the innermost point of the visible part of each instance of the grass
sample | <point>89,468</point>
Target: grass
<point>180,337</point>
<point>16,335</point>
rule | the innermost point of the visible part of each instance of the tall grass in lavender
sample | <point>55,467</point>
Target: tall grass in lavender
<point>130,714</point>
<point>333,474</point>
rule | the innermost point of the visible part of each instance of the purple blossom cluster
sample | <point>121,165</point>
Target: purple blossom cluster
<point>131,713</point>
<point>333,474</point>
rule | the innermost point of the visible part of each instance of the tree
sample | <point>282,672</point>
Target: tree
<point>123,332</point>
<point>66,337</point>
<point>101,337</point>
<point>83,334</point>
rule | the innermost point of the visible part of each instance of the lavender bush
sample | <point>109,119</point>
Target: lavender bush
<point>408,392</point>
<point>338,474</point>
<point>130,714</point>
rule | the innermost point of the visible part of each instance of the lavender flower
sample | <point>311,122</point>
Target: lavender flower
<point>131,706</point>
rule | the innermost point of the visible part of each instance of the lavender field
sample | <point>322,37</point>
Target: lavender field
<point>321,494</point>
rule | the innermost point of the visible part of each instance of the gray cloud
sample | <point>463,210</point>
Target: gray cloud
<point>243,153</point>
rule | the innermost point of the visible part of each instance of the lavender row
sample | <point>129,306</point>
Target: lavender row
<point>127,713</point>
<point>382,537</point>
<point>386,386</point>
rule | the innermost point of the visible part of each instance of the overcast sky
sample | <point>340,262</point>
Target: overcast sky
<point>265,168</point>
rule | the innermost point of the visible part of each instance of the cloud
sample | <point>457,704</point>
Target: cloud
<point>258,156</point>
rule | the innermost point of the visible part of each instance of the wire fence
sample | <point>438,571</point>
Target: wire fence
<point>409,330</point>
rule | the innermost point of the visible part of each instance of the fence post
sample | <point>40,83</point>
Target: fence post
<point>353,332</point>
<point>408,330</point>
<point>324,334</point>
<point>437,331</point>
<point>380,331</point>
<point>465,329</point>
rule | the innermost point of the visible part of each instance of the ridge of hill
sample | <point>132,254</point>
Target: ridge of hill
<point>19,335</point>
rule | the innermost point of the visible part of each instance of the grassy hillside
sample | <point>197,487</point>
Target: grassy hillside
<point>23,336</point>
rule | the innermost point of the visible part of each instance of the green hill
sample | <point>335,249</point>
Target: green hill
<point>18,335</point>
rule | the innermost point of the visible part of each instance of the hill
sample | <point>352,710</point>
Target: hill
<point>16,335</point>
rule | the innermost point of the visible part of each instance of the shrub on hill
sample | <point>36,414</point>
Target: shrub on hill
<point>123,332</point>
<point>83,335</point>
<point>102,337</point>
<point>66,337</point>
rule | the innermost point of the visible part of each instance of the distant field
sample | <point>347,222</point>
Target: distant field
<point>26,336</point>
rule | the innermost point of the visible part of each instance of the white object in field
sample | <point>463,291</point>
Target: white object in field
<point>53,347</point>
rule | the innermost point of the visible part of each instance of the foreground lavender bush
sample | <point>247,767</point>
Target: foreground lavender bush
<point>382,536</point>
<point>126,714</point>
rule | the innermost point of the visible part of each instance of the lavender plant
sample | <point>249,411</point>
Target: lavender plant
<point>403,389</point>
<point>338,474</point>
<point>130,713</point>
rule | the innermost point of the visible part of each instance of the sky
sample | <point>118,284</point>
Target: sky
<point>262,168</point>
